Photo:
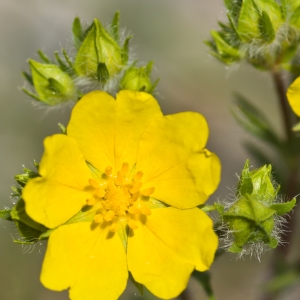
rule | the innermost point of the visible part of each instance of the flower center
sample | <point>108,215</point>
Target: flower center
<point>118,198</point>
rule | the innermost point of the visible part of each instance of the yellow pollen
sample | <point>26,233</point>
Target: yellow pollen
<point>138,176</point>
<point>113,227</point>
<point>132,224</point>
<point>100,193</point>
<point>134,197</point>
<point>94,183</point>
<point>124,169</point>
<point>108,171</point>
<point>109,216</point>
<point>98,218</point>
<point>148,192</point>
<point>135,188</point>
<point>90,201</point>
<point>145,210</point>
<point>119,179</point>
<point>133,210</point>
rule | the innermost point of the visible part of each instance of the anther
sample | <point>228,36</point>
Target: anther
<point>100,193</point>
<point>148,192</point>
<point>119,179</point>
<point>124,169</point>
<point>132,224</point>
<point>113,227</point>
<point>90,201</point>
<point>94,183</point>
<point>135,188</point>
<point>145,210</point>
<point>109,216</point>
<point>138,176</point>
<point>134,197</point>
<point>108,171</point>
<point>98,218</point>
<point>133,210</point>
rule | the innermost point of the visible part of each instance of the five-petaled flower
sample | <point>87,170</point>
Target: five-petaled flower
<point>121,191</point>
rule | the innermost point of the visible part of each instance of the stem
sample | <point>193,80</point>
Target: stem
<point>283,102</point>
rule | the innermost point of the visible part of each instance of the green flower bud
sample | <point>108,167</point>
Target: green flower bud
<point>99,56</point>
<point>52,85</point>
<point>263,32</point>
<point>138,79</point>
<point>255,217</point>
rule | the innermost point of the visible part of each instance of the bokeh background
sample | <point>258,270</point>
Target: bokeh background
<point>170,32</point>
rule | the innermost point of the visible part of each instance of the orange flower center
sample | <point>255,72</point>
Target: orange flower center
<point>118,198</point>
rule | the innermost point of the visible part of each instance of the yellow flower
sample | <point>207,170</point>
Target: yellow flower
<point>293,95</point>
<point>121,190</point>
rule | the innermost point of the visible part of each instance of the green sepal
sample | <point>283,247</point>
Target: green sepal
<point>61,64</point>
<point>28,234</point>
<point>28,77</point>
<point>139,286</point>
<point>43,57</point>
<point>115,26</point>
<point>234,248</point>
<point>22,179</point>
<point>52,85</point>
<point>295,69</point>
<point>295,18</point>
<point>245,185</point>
<point>273,243</point>
<point>98,47</point>
<point>102,72</point>
<point>5,214</point>
<point>234,8</point>
<point>19,214</point>
<point>296,127</point>
<point>77,32</point>
<point>266,27</point>
<point>62,128</point>
<point>254,121</point>
<point>125,50</point>
<point>283,208</point>
<point>204,279</point>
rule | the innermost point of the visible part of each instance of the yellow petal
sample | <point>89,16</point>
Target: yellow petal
<point>293,95</point>
<point>173,160</point>
<point>108,131</point>
<point>164,251</point>
<point>92,263</point>
<point>59,193</point>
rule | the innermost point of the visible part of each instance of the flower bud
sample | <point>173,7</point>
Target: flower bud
<point>254,218</point>
<point>52,85</point>
<point>138,79</point>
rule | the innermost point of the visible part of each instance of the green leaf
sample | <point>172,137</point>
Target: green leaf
<point>115,26</point>
<point>18,213</point>
<point>266,27</point>
<point>5,214</point>
<point>234,8</point>
<point>254,121</point>
<point>283,208</point>
<point>245,185</point>
<point>204,279</point>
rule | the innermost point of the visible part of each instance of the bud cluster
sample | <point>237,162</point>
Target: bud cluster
<point>101,62</point>
<point>253,221</point>
<point>264,33</point>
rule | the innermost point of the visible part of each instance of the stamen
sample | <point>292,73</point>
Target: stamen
<point>138,176</point>
<point>124,169</point>
<point>133,210</point>
<point>100,193</point>
<point>109,216</point>
<point>108,171</point>
<point>135,188</point>
<point>148,192</point>
<point>134,197</point>
<point>98,218</point>
<point>94,183</point>
<point>119,179</point>
<point>145,210</point>
<point>132,224</point>
<point>90,201</point>
<point>113,227</point>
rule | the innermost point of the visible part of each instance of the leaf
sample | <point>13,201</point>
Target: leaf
<point>28,77</point>
<point>204,279</point>
<point>283,208</point>
<point>254,121</point>
<point>266,27</point>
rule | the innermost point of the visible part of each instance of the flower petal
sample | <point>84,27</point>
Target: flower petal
<point>91,262</point>
<point>173,160</point>
<point>59,193</point>
<point>293,95</point>
<point>163,252</point>
<point>112,129</point>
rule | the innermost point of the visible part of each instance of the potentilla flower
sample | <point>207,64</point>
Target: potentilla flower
<point>120,191</point>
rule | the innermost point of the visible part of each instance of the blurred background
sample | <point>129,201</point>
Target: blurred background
<point>170,32</point>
